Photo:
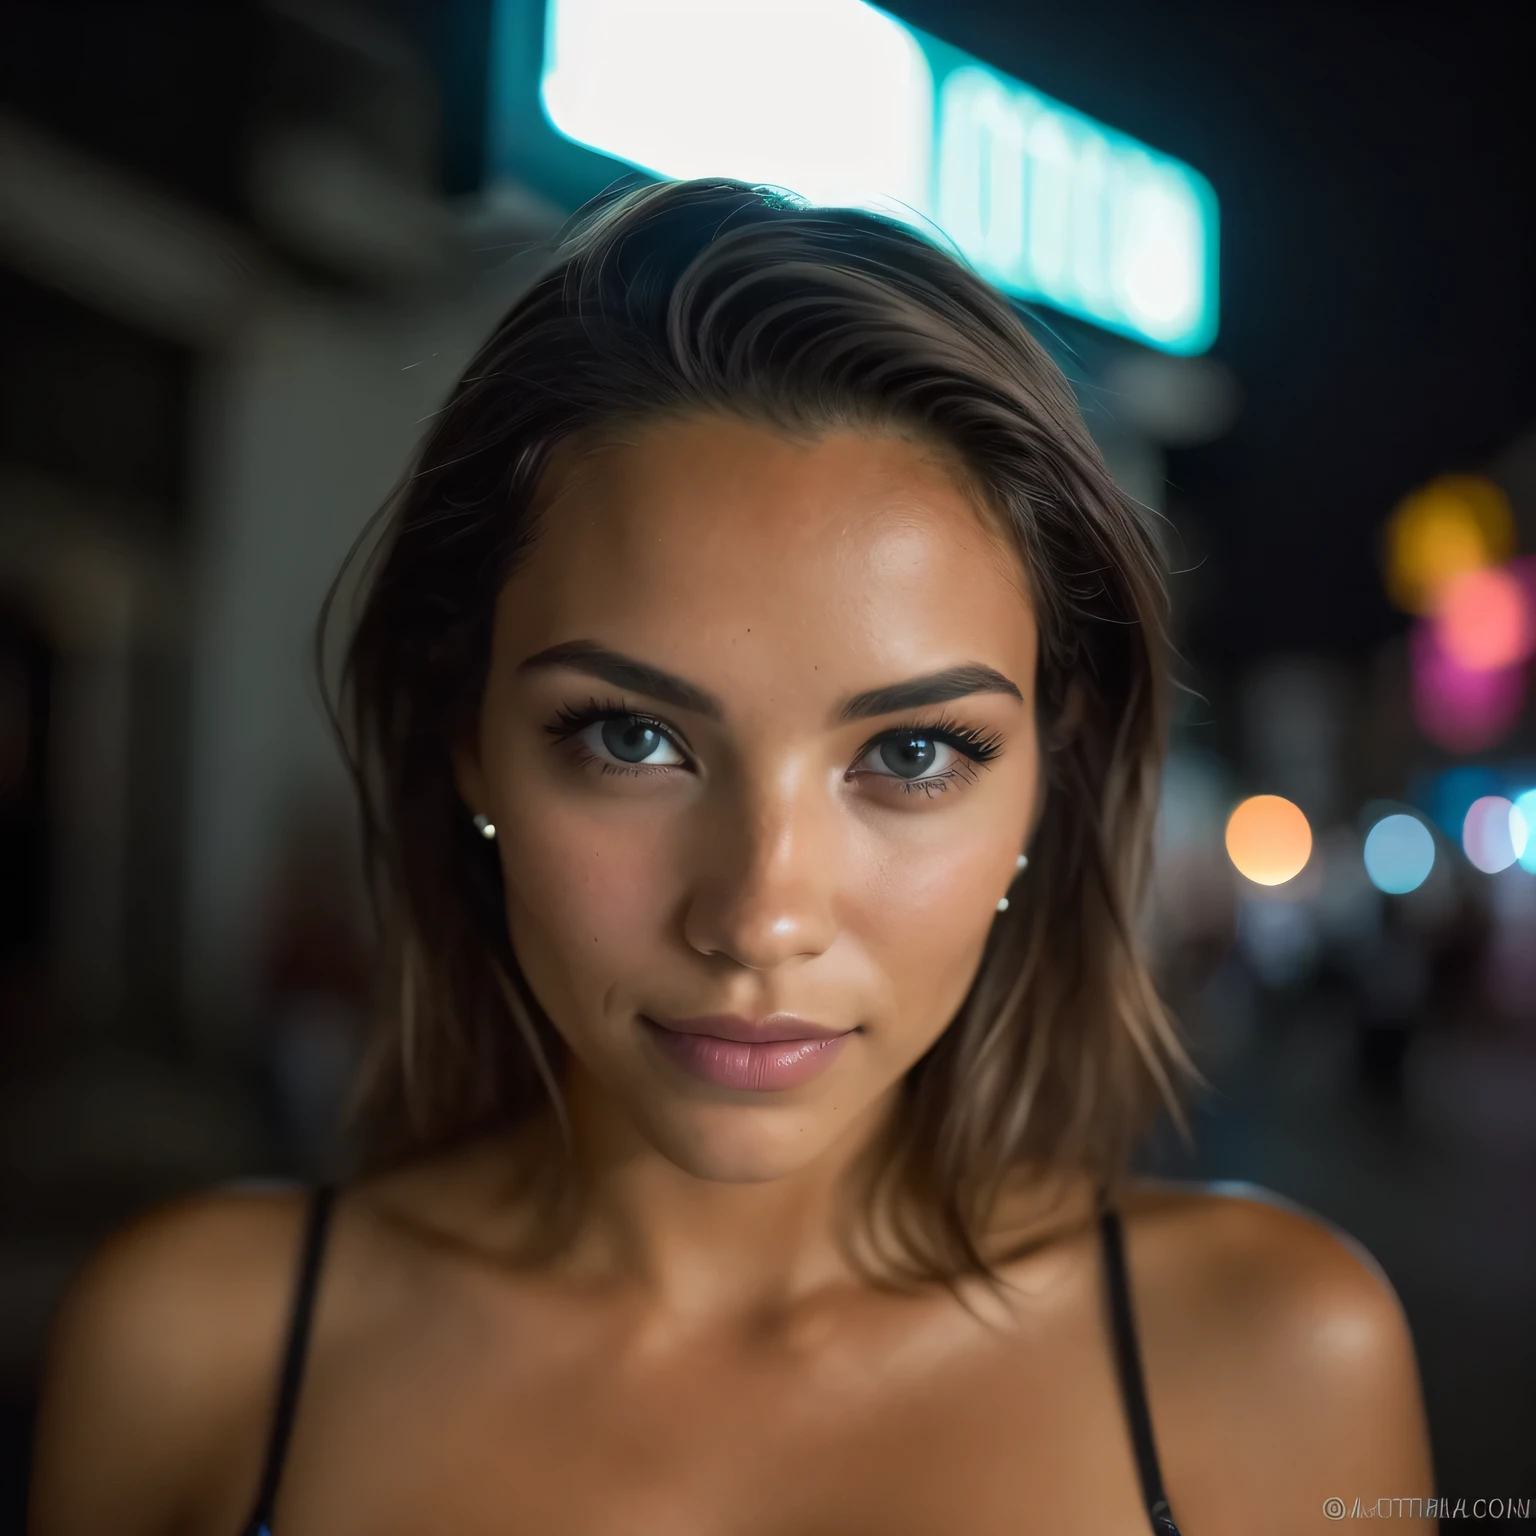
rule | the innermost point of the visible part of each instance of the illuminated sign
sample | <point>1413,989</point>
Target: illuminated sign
<point>844,104</point>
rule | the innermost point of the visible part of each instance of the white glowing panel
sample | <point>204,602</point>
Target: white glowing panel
<point>831,98</point>
<point>842,103</point>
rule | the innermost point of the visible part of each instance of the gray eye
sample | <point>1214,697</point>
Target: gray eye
<point>911,756</point>
<point>632,740</point>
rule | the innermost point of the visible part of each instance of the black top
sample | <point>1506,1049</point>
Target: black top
<point>289,1382</point>
<point>1127,1359</point>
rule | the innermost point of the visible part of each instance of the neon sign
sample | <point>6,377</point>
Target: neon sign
<point>843,103</point>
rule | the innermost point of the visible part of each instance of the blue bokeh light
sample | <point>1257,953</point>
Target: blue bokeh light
<point>1399,854</point>
<point>1526,805</point>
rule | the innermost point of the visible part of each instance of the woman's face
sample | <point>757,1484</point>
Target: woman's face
<point>729,820</point>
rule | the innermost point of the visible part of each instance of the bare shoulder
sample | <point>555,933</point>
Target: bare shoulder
<point>161,1359</point>
<point>1282,1350</point>
<point>1236,1261</point>
<point>1256,1247</point>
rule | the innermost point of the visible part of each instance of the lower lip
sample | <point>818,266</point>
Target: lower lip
<point>737,1064</point>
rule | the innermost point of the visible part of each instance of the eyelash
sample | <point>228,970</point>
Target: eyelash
<point>976,747</point>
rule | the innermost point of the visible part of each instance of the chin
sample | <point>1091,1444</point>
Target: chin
<point>741,1144</point>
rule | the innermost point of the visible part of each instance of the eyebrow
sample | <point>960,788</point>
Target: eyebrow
<point>595,660</point>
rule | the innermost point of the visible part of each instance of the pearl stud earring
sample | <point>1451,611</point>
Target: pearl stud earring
<point>1020,863</point>
<point>484,825</point>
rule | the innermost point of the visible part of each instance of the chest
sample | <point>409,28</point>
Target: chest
<point>906,1424</point>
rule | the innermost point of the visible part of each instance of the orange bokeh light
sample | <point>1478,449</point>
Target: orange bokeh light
<point>1269,839</point>
<point>1483,620</point>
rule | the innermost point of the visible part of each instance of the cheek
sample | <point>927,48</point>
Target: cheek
<point>927,926</point>
<point>585,902</point>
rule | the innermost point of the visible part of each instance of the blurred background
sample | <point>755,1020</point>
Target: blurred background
<point>1286,254</point>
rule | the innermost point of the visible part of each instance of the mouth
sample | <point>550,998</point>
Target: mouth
<point>779,1055</point>
<point>773,1028</point>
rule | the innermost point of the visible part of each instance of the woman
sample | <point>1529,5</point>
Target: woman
<point>757,707</point>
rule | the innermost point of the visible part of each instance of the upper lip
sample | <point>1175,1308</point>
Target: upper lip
<point>732,1026</point>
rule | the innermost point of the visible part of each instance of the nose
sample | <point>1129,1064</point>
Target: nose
<point>765,884</point>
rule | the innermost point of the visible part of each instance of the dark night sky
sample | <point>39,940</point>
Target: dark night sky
<point>1375,172</point>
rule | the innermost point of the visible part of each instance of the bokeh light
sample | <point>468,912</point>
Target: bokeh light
<point>1523,569</point>
<point>1483,620</point>
<point>1525,808</point>
<point>1462,709</point>
<point>1399,854</point>
<point>1455,524</point>
<point>1269,840</point>
<point>1494,834</point>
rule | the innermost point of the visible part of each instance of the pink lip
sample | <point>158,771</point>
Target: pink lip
<point>731,1026</point>
<point>770,1058</point>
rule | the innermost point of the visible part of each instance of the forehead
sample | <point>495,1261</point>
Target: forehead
<point>693,534</point>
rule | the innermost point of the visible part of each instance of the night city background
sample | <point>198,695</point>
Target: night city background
<point>246,248</point>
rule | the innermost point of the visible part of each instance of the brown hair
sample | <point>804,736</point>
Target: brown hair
<point>716,296</point>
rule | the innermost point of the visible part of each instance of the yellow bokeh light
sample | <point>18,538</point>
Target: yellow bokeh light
<point>1269,839</point>
<point>1455,524</point>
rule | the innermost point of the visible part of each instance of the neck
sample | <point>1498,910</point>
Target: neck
<point>622,1218</point>
<point>703,1248</point>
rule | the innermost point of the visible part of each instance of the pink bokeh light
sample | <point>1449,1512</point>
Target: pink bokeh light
<point>1484,619</point>
<point>1457,707</point>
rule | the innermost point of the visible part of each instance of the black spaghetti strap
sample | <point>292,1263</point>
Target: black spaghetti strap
<point>321,1201</point>
<point>1132,1386</point>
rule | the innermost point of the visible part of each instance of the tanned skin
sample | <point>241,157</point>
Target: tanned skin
<point>700,1358</point>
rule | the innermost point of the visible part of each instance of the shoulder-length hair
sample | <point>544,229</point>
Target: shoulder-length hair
<point>716,296</point>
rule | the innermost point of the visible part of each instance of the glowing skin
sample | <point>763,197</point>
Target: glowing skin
<point>772,860</point>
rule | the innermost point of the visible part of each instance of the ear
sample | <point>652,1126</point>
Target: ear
<point>1062,731</point>
<point>468,778</point>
